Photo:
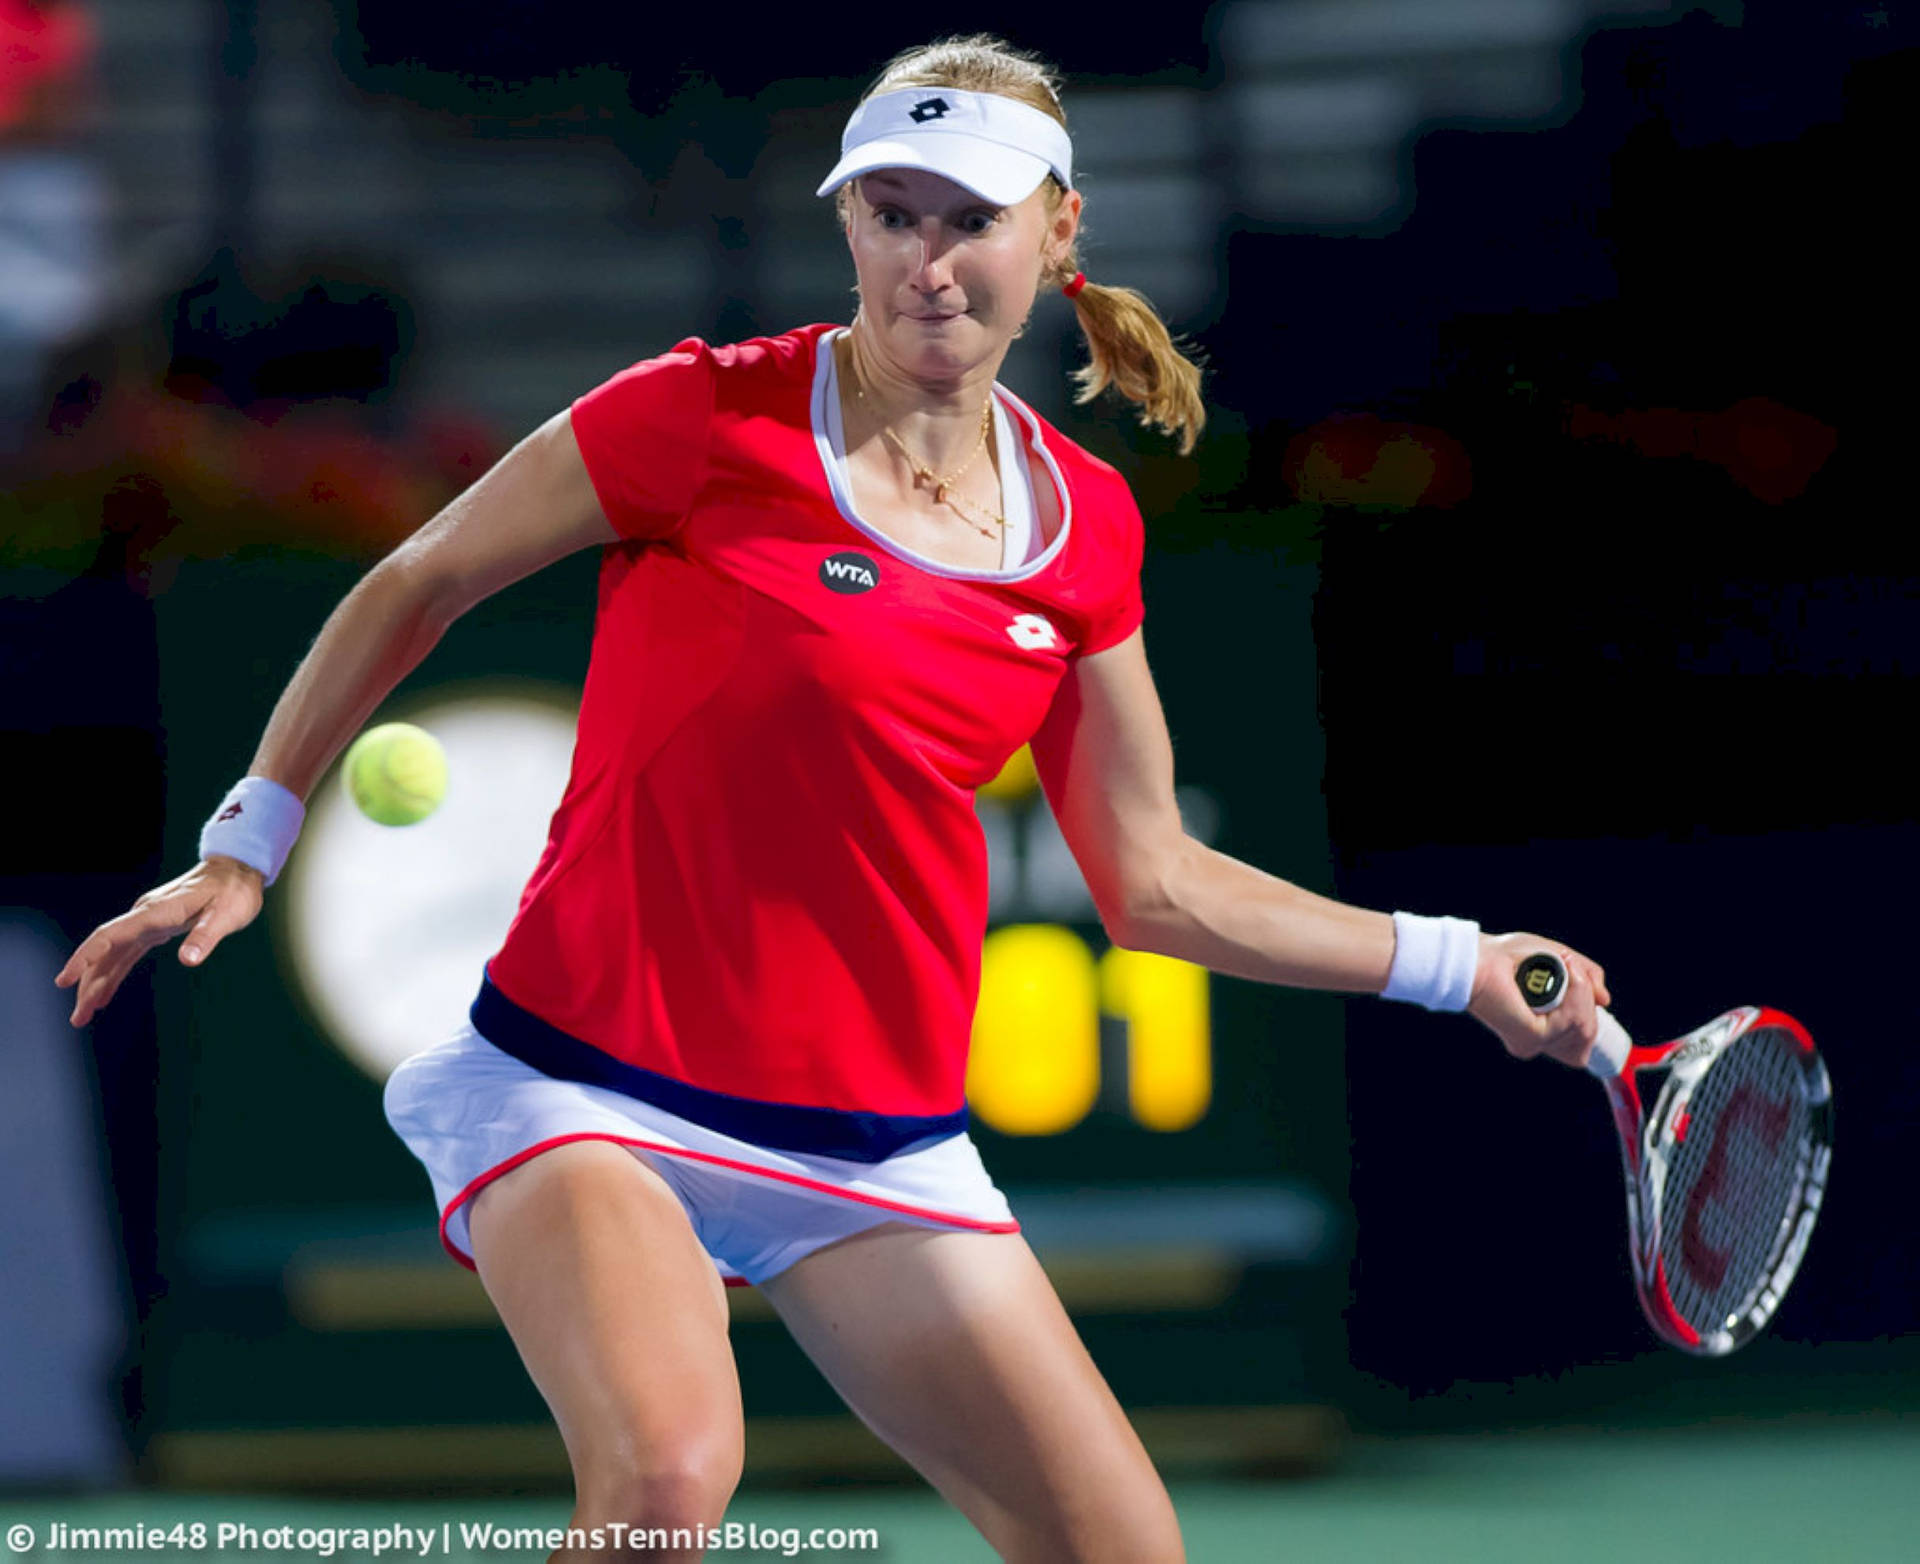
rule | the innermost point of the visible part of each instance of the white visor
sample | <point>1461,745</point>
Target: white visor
<point>999,148</point>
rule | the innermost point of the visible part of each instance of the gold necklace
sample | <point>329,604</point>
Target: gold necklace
<point>942,486</point>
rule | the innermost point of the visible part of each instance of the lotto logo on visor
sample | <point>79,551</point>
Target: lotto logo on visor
<point>998,148</point>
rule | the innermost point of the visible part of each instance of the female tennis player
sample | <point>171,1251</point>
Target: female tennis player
<point>844,577</point>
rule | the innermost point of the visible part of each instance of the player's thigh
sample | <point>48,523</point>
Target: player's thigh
<point>621,1321</point>
<point>954,1348</point>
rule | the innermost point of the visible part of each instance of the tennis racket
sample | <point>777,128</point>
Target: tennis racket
<point>1725,1175</point>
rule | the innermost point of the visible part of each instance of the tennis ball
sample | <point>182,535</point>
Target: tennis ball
<point>396,773</point>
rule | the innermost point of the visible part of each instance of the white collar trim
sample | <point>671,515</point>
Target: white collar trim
<point>830,441</point>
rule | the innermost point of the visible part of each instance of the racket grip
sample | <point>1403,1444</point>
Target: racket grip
<point>1542,978</point>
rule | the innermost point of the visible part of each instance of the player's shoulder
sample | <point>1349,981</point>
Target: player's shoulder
<point>785,357</point>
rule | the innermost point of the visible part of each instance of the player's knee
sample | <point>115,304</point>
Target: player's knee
<point>1143,1530</point>
<point>1159,1545</point>
<point>687,1484</point>
<point>1152,1538</point>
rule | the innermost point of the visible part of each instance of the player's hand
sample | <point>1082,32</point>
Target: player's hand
<point>1566,1032</point>
<point>210,901</point>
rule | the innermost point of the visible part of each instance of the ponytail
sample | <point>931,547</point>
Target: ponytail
<point>1130,349</point>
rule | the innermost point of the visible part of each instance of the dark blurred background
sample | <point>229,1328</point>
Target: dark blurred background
<point>1541,564</point>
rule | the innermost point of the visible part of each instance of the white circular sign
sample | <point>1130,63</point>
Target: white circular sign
<point>390,927</point>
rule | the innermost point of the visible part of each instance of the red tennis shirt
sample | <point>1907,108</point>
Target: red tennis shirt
<point>763,896</point>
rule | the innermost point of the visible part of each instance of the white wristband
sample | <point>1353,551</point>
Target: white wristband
<point>1434,961</point>
<point>257,822</point>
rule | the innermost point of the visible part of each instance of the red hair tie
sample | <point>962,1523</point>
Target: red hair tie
<point>1079,282</point>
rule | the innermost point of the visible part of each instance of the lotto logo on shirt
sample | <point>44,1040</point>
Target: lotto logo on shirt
<point>1033,633</point>
<point>849,572</point>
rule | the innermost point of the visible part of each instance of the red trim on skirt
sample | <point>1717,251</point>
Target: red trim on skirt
<point>972,1224</point>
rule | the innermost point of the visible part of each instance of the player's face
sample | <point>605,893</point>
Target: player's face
<point>947,279</point>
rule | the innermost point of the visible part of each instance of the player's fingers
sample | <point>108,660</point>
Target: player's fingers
<point>83,956</point>
<point>87,1002</point>
<point>1590,971</point>
<point>104,976</point>
<point>219,920</point>
<point>1579,1020</point>
<point>94,998</point>
<point>74,976</point>
<point>84,965</point>
<point>104,958</point>
<point>96,987</point>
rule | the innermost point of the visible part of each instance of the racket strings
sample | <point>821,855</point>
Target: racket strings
<point>1736,1167</point>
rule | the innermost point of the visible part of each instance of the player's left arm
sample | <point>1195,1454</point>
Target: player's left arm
<point>1106,761</point>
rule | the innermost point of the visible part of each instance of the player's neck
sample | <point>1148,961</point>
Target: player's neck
<point>940,421</point>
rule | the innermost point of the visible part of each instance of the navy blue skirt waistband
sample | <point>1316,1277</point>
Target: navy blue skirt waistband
<point>825,1132</point>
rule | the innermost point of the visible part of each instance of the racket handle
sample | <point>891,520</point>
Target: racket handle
<point>1543,984</point>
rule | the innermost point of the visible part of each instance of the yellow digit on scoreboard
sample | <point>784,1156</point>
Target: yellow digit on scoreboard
<point>1163,1000</point>
<point>1035,1064</point>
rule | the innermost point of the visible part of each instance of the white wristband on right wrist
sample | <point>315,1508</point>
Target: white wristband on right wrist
<point>1434,961</point>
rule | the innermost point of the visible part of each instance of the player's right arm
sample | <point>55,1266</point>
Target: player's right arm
<point>535,506</point>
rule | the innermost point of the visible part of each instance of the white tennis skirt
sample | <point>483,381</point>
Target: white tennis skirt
<point>470,1112</point>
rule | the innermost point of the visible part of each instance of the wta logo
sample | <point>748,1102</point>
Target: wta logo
<point>849,572</point>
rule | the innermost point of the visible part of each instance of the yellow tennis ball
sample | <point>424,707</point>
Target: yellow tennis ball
<point>396,773</point>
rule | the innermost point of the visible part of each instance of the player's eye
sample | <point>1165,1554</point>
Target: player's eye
<point>890,217</point>
<point>978,221</point>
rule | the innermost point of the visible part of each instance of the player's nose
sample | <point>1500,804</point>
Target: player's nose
<point>933,265</point>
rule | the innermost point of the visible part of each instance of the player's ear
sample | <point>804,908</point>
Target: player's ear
<point>846,202</point>
<point>1065,222</point>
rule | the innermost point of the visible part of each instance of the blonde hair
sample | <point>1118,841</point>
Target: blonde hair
<point>1128,345</point>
